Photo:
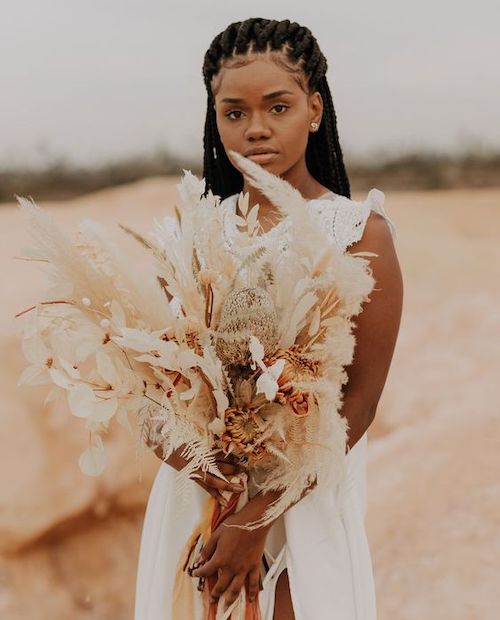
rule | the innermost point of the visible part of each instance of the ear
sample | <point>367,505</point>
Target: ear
<point>315,107</point>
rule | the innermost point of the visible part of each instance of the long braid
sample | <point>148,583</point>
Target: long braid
<point>324,158</point>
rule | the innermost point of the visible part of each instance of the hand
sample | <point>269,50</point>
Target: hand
<point>216,486</point>
<point>210,483</point>
<point>235,554</point>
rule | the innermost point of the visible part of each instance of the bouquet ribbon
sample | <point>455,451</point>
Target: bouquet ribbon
<point>183,606</point>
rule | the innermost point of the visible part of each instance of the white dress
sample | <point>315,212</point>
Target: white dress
<point>321,540</point>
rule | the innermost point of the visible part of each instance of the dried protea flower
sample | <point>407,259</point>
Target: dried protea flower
<point>246,312</point>
<point>298,367</point>
<point>243,434</point>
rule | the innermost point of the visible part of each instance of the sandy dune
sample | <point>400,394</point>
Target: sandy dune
<point>69,544</point>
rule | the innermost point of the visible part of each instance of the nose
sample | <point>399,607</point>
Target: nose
<point>257,129</point>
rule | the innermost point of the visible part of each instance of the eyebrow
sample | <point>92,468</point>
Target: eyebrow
<point>277,93</point>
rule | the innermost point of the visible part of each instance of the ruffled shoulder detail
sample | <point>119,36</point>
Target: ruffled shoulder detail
<point>375,201</point>
<point>344,219</point>
<point>341,218</point>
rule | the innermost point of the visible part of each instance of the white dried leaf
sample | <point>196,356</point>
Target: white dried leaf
<point>93,461</point>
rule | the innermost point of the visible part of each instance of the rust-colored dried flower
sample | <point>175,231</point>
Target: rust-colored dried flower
<point>298,367</point>
<point>243,433</point>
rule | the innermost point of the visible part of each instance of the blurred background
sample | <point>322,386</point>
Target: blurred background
<point>102,107</point>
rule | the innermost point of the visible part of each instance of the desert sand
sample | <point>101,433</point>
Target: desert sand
<point>69,544</point>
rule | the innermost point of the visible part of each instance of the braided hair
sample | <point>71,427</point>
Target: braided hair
<point>324,157</point>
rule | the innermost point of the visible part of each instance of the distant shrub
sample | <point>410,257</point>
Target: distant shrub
<point>60,180</point>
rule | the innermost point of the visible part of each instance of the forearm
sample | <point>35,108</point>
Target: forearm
<point>153,440</point>
<point>175,460</point>
<point>359,416</point>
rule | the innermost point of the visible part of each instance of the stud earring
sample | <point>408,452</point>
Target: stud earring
<point>314,126</point>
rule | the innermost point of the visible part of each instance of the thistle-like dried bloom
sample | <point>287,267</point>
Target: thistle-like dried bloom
<point>243,434</point>
<point>298,367</point>
<point>246,312</point>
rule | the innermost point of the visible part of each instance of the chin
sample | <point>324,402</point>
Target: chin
<point>275,167</point>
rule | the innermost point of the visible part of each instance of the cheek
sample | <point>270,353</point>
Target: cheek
<point>228,135</point>
<point>294,135</point>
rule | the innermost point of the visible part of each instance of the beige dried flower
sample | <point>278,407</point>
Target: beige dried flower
<point>246,312</point>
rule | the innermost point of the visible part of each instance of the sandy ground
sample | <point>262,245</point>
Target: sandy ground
<point>69,546</point>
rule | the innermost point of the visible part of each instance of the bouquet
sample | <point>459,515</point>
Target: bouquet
<point>236,345</point>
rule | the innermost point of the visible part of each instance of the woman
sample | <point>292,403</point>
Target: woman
<point>269,100</point>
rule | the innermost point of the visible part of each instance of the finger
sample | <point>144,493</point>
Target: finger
<point>222,485</point>
<point>215,482</point>
<point>253,583</point>
<point>221,585</point>
<point>215,493</point>
<point>228,469</point>
<point>207,550</point>
<point>234,589</point>
<point>209,567</point>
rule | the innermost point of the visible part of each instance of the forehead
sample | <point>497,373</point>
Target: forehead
<point>253,79</point>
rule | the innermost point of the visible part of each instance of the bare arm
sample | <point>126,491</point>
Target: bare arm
<point>376,330</point>
<point>175,460</point>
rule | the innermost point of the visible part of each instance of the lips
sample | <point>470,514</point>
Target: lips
<point>263,158</point>
<point>260,150</point>
<point>261,154</point>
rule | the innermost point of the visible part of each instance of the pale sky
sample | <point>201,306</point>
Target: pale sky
<point>95,79</point>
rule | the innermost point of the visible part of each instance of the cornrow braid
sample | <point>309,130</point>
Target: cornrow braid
<point>324,157</point>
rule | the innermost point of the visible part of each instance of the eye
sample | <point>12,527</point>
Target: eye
<point>276,105</point>
<point>280,105</point>
<point>228,115</point>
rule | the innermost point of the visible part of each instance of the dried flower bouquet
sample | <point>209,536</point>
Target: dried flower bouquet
<point>239,346</point>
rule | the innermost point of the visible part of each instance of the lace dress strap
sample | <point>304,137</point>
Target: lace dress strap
<point>344,219</point>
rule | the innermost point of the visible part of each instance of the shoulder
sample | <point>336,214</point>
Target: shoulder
<point>377,240</point>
